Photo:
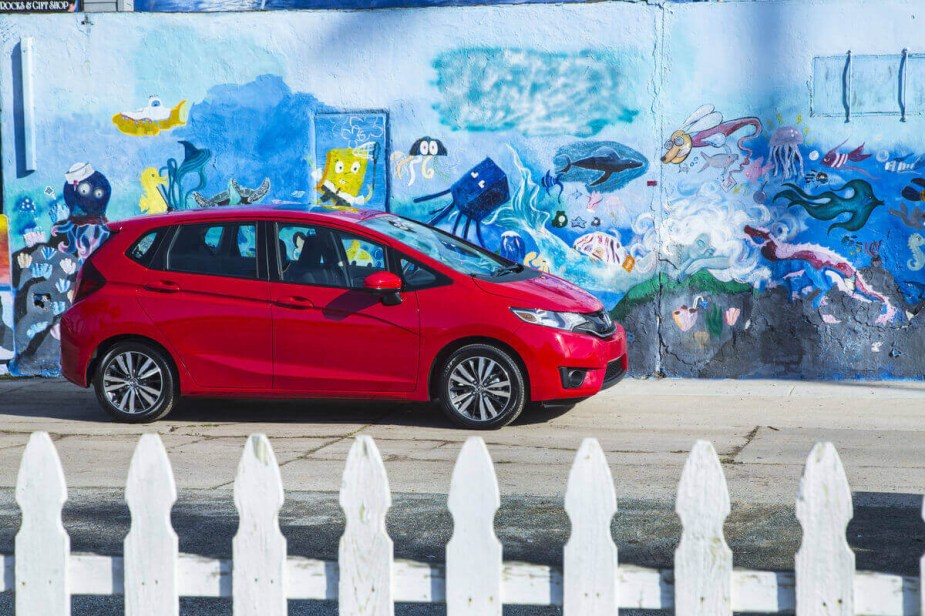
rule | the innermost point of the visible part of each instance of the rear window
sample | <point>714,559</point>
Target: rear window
<point>142,251</point>
<point>228,249</point>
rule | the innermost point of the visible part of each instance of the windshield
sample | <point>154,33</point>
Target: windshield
<point>443,247</point>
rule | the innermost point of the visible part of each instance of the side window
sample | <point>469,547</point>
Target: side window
<point>228,249</point>
<point>310,255</point>
<point>416,276</point>
<point>142,251</point>
<point>363,257</point>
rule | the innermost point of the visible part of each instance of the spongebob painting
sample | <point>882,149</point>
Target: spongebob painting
<point>351,144</point>
<point>342,178</point>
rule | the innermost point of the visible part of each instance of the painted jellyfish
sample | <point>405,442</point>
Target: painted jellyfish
<point>512,246</point>
<point>422,151</point>
<point>784,152</point>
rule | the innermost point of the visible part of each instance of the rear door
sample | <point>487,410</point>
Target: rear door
<point>330,335</point>
<point>211,303</point>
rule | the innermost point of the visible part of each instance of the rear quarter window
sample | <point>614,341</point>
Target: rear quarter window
<point>142,251</point>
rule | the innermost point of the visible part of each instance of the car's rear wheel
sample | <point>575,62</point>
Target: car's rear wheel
<point>482,387</point>
<point>135,383</point>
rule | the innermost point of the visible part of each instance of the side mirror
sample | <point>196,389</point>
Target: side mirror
<point>382,282</point>
<point>386,284</point>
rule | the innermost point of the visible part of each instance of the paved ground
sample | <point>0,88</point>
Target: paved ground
<point>762,430</point>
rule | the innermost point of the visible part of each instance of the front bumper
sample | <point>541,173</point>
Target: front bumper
<point>548,351</point>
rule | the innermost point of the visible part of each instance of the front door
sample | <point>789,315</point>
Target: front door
<point>329,334</point>
<point>211,304</point>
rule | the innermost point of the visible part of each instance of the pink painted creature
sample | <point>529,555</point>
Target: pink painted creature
<point>822,260</point>
<point>755,170</point>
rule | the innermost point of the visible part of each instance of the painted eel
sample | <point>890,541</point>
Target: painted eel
<point>821,258</point>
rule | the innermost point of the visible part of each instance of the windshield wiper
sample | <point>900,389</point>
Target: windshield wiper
<point>507,269</point>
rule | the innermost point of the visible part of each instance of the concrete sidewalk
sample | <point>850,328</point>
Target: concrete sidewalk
<point>762,430</point>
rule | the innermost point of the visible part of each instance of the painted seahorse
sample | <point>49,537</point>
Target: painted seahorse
<point>917,262</point>
<point>823,260</point>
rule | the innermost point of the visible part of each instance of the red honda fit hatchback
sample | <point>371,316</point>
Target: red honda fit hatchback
<point>281,302</point>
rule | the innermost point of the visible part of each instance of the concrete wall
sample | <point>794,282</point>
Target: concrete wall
<point>715,264</point>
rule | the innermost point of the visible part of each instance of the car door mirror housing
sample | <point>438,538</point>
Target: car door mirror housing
<point>382,282</point>
<point>386,284</point>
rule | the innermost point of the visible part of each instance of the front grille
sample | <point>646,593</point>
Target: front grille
<point>614,372</point>
<point>600,324</point>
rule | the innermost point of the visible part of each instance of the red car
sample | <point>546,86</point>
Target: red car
<point>288,303</point>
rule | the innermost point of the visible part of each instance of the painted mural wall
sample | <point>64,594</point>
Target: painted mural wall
<point>688,164</point>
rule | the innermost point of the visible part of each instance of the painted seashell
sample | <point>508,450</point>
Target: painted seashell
<point>732,315</point>
<point>34,237</point>
<point>68,266</point>
<point>41,270</point>
<point>685,317</point>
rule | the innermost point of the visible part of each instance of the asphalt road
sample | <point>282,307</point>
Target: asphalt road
<point>762,430</point>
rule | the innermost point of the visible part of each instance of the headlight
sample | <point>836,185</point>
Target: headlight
<point>558,320</point>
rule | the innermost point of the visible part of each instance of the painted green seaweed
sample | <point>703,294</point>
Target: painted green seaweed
<point>701,282</point>
<point>715,321</point>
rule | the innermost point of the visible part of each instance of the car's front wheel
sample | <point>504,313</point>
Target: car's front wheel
<point>135,383</point>
<point>482,387</point>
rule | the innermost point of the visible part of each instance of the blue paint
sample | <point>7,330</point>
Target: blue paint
<point>571,94</point>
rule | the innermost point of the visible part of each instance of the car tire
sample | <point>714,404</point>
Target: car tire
<point>481,387</point>
<point>136,382</point>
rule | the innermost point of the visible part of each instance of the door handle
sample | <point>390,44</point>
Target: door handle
<point>163,286</point>
<point>296,302</point>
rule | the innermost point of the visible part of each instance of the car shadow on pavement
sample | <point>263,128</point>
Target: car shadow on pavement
<point>222,410</point>
<point>52,399</point>
<point>418,414</point>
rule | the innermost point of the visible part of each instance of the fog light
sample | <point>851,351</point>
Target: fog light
<point>572,378</point>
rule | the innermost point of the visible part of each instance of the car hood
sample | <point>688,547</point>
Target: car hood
<point>544,291</point>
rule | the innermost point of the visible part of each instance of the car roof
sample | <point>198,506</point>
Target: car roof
<point>309,213</point>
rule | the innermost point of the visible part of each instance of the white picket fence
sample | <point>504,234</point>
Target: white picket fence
<point>367,581</point>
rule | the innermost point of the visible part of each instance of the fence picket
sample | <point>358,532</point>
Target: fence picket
<point>825,562</point>
<point>365,585</point>
<point>42,545</point>
<point>473,554</point>
<point>151,546</point>
<point>258,584</point>
<point>590,557</point>
<point>703,561</point>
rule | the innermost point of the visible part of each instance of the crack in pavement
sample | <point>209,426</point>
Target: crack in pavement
<point>336,440</point>
<point>730,458</point>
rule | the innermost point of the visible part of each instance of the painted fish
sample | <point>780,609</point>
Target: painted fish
<point>550,181</point>
<point>718,161</point>
<point>757,170</point>
<point>904,165</point>
<point>837,160</point>
<point>605,160</point>
<point>606,248</point>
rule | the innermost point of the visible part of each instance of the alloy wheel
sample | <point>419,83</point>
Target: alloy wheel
<point>133,382</point>
<point>480,388</point>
